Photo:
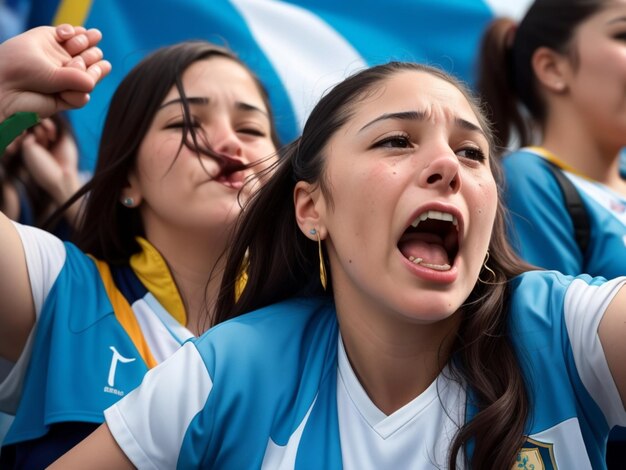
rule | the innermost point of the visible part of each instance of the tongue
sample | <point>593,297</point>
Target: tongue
<point>431,252</point>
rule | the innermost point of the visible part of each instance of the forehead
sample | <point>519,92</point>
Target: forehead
<point>219,76</point>
<point>610,14</point>
<point>420,91</point>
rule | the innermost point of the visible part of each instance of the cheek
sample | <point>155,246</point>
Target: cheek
<point>261,150</point>
<point>157,159</point>
<point>486,201</point>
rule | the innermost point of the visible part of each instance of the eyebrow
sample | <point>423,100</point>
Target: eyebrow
<point>204,101</point>
<point>421,116</point>
<point>619,19</point>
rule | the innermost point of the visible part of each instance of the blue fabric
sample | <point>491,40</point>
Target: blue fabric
<point>298,343</point>
<point>68,375</point>
<point>543,232</point>
<point>290,357</point>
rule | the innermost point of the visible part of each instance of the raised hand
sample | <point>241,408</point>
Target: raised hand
<point>50,69</point>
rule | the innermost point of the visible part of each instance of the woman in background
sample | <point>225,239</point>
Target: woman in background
<point>84,322</point>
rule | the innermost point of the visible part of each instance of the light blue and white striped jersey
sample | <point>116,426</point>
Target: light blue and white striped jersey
<point>274,389</point>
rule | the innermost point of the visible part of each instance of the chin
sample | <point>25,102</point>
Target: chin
<point>432,310</point>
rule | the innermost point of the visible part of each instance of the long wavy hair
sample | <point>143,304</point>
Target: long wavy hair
<point>506,77</point>
<point>107,228</point>
<point>282,263</point>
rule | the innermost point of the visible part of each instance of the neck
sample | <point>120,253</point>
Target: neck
<point>573,142</point>
<point>196,262</point>
<point>395,362</point>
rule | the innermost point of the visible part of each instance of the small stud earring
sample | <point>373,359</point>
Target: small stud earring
<point>312,231</point>
<point>128,202</point>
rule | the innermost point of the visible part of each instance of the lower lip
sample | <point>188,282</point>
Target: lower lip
<point>232,184</point>
<point>432,275</point>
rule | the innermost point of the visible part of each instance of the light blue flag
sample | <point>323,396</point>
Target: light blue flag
<point>298,48</point>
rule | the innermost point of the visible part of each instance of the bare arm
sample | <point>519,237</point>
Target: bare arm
<point>612,332</point>
<point>98,451</point>
<point>17,310</point>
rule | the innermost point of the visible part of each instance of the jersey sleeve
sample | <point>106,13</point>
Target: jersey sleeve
<point>542,230</point>
<point>583,310</point>
<point>45,256</point>
<point>150,423</point>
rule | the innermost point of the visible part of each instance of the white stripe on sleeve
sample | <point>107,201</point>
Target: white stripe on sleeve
<point>150,423</point>
<point>45,257</point>
<point>584,308</point>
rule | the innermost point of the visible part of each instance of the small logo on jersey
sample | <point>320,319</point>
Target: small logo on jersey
<point>117,357</point>
<point>535,455</point>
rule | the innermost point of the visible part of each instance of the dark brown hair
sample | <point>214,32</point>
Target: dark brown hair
<point>108,229</point>
<point>281,263</point>
<point>505,72</point>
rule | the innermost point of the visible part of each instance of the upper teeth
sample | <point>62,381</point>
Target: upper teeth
<point>436,215</point>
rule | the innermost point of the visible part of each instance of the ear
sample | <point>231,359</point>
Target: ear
<point>552,69</point>
<point>130,195</point>
<point>309,206</point>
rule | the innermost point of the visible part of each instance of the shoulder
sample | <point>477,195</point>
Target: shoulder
<point>524,167</point>
<point>546,297</point>
<point>291,318</point>
<point>523,158</point>
<point>282,338</point>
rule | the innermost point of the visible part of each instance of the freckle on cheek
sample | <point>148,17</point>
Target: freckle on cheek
<point>350,261</point>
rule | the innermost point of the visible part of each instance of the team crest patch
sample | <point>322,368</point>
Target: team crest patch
<point>535,455</point>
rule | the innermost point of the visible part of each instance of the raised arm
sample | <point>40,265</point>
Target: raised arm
<point>43,70</point>
<point>612,332</point>
<point>47,69</point>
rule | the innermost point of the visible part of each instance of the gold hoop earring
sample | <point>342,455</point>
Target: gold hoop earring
<point>321,255</point>
<point>486,266</point>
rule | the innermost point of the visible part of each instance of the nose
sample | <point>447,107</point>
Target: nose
<point>442,172</point>
<point>225,141</point>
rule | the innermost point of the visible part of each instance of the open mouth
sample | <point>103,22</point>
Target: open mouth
<point>432,240</point>
<point>231,172</point>
<point>232,180</point>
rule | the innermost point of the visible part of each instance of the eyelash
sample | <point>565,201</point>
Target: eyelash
<point>249,131</point>
<point>180,125</point>
<point>254,132</point>
<point>475,153</point>
<point>479,155</point>
<point>394,138</point>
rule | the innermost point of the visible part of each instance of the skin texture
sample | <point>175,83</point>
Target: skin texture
<point>187,213</point>
<point>46,69</point>
<point>415,163</point>
<point>174,193</point>
<point>586,98</point>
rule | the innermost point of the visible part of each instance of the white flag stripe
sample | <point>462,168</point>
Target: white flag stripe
<point>298,50</point>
